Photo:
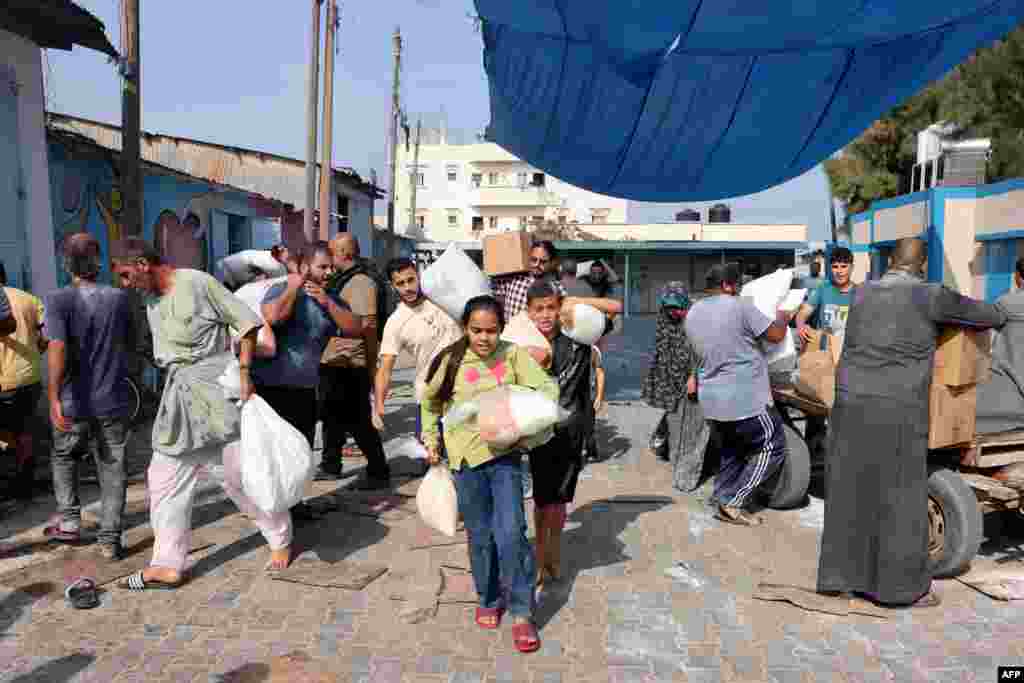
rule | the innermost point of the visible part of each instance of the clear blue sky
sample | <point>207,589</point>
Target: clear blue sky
<point>234,72</point>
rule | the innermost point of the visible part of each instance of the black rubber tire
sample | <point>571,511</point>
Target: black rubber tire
<point>962,521</point>
<point>789,486</point>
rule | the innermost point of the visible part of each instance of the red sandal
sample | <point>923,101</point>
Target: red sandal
<point>488,612</point>
<point>525,637</point>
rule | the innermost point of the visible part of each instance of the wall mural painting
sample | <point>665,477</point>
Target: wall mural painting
<point>88,199</point>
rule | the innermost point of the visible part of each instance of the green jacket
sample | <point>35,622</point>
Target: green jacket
<point>509,364</point>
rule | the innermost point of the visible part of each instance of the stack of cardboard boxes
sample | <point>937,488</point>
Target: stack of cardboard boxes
<point>962,362</point>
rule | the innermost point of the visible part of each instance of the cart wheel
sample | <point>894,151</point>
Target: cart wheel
<point>788,488</point>
<point>954,524</point>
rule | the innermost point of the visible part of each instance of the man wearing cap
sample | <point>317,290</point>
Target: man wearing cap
<point>733,390</point>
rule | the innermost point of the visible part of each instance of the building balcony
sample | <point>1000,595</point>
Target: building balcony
<point>511,195</point>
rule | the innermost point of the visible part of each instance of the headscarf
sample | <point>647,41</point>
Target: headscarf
<point>675,358</point>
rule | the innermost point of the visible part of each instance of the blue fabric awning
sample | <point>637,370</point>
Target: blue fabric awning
<point>684,100</point>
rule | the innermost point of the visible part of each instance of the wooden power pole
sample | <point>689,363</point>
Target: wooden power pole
<point>326,155</point>
<point>392,181</point>
<point>131,121</point>
<point>312,100</point>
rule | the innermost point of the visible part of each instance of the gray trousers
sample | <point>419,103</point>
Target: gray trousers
<point>105,439</point>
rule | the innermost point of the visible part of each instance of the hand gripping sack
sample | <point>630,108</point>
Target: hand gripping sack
<point>452,280</point>
<point>437,501</point>
<point>507,414</point>
<point>583,323</point>
<point>278,462</point>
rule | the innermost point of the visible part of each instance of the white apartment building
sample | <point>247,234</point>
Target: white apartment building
<point>465,191</point>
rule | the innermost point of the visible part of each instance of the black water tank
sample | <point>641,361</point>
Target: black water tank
<point>688,216</point>
<point>719,213</point>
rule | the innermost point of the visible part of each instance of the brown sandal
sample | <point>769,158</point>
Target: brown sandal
<point>741,518</point>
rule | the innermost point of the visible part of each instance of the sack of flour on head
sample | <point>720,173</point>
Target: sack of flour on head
<point>582,323</point>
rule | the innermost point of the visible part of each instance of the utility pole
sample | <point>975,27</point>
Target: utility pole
<point>414,179</point>
<point>311,125</point>
<point>131,121</point>
<point>326,150</point>
<point>397,42</point>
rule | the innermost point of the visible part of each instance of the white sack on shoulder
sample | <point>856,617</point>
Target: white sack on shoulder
<point>769,291</point>
<point>437,500</point>
<point>452,280</point>
<point>236,266</point>
<point>278,461</point>
<point>583,323</point>
<point>522,332</point>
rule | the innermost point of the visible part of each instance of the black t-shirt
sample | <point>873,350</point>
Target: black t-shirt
<point>570,366</point>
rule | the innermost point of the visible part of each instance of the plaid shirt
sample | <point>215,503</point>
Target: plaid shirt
<point>511,291</point>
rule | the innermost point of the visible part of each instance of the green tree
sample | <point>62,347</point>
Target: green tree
<point>984,97</point>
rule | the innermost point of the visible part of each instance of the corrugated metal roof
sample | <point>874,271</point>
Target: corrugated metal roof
<point>267,174</point>
<point>78,141</point>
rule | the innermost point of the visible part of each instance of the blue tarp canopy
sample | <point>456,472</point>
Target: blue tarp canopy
<point>681,100</point>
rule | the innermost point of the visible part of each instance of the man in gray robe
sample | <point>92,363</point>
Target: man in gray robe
<point>875,540</point>
<point>1001,399</point>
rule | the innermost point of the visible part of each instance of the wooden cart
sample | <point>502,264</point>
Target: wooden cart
<point>961,488</point>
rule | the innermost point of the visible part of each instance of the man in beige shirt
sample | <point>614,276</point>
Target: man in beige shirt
<point>418,327</point>
<point>345,372</point>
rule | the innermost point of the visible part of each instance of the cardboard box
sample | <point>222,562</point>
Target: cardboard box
<point>963,357</point>
<point>507,253</point>
<point>816,375</point>
<point>952,412</point>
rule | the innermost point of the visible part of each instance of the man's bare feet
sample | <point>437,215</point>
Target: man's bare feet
<point>279,559</point>
<point>161,575</point>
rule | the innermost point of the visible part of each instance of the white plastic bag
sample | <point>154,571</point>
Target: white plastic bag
<point>407,447</point>
<point>231,381</point>
<point>583,323</point>
<point>236,266</point>
<point>278,460</point>
<point>507,414</point>
<point>452,280</point>
<point>437,501</point>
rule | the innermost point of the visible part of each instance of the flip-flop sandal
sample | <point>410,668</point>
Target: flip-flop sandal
<point>525,637</point>
<point>489,612</point>
<point>136,582</point>
<point>930,599</point>
<point>742,519</point>
<point>81,593</point>
<point>55,533</point>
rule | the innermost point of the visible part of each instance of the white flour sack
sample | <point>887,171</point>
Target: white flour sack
<point>507,414</point>
<point>582,323</point>
<point>236,266</point>
<point>452,280</point>
<point>768,293</point>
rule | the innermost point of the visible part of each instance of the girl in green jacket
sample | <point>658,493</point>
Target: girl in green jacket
<point>488,479</point>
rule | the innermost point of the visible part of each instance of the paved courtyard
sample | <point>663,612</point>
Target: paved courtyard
<point>626,610</point>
